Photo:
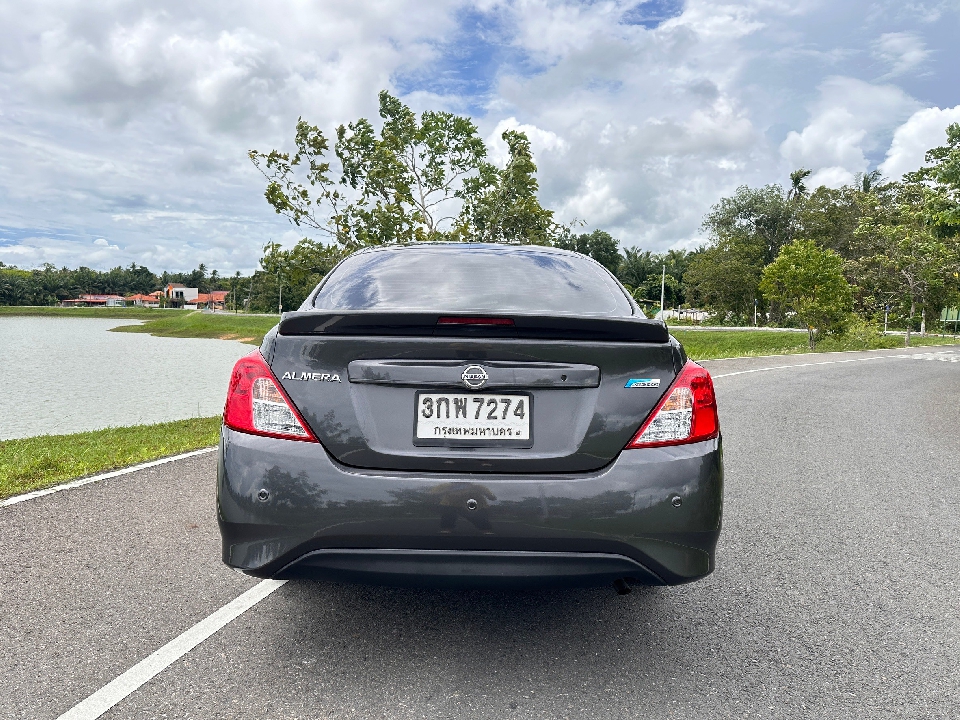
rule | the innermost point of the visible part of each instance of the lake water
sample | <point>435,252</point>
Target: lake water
<point>64,375</point>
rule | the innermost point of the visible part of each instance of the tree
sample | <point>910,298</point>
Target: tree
<point>726,277</point>
<point>299,270</point>
<point>829,217</point>
<point>941,180</point>
<point>408,176</point>
<point>599,244</point>
<point>502,205</point>
<point>401,184</point>
<point>809,281</point>
<point>415,179</point>
<point>747,231</point>
<point>637,266</point>
<point>321,208</point>
<point>641,273</point>
<point>904,254</point>
<point>798,190</point>
<point>765,217</point>
<point>866,181</point>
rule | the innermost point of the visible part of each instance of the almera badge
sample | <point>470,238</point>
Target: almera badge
<point>319,377</point>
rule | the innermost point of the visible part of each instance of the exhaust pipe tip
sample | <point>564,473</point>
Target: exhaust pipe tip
<point>620,585</point>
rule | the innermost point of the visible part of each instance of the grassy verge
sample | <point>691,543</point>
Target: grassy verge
<point>38,462</point>
<point>166,323</point>
<point>113,313</point>
<point>713,345</point>
<point>700,344</point>
<point>220,326</point>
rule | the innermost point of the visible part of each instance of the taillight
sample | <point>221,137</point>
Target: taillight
<point>687,413</point>
<point>256,403</point>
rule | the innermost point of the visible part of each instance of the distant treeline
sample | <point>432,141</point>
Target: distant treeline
<point>302,267</point>
<point>49,285</point>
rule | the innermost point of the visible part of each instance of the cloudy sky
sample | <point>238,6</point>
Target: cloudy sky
<point>124,124</point>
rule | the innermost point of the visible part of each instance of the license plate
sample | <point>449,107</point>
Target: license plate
<point>473,419</point>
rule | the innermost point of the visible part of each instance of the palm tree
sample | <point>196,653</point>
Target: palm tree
<point>868,181</point>
<point>798,190</point>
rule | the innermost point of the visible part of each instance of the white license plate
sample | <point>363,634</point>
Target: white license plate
<point>473,419</point>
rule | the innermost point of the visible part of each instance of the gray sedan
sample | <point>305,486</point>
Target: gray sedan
<point>471,415</point>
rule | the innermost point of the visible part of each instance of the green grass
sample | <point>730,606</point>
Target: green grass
<point>716,344</point>
<point>38,462</point>
<point>167,323</point>
<point>193,324</point>
<point>113,313</point>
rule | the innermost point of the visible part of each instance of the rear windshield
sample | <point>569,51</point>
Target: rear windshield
<point>471,278</point>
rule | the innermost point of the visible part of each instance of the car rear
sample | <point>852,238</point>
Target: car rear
<point>470,415</point>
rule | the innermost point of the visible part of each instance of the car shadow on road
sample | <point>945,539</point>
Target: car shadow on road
<point>461,641</point>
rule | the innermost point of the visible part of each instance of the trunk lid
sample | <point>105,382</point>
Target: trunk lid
<point>355,379</point>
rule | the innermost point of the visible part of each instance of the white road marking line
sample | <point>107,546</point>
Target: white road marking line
<point>942,356</point>
<point>117,689</point>
<point>914,356</point>
<point>96,478</point>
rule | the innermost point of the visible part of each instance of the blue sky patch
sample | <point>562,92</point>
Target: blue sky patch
<point>653,13</point>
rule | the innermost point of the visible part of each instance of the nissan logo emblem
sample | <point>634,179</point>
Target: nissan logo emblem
<point>474,377</point>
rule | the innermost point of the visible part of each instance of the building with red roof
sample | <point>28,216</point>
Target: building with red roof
<point>152,300</point>
<point>96,300</point>
<point>214,300</point>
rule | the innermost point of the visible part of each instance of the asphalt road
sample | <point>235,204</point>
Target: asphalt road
<point>837,593</point>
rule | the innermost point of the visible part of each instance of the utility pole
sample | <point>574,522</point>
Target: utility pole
<point>886,310</point>
<point>755,312</point>
<point>663,288</point>
<point>280,284</point>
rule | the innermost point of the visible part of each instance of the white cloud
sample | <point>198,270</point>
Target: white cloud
<point>35,251</point>
<point>653,123</point>
<point>540,140</point>
<point>923,131</point>
<point>136,122</point>
<point>596,199</point>
<point>903,51</point>
<point>846,123</point>
<point>131,123</point>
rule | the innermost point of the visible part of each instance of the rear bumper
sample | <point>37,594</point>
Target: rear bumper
<point>288,509</point>
<point>468,568</point>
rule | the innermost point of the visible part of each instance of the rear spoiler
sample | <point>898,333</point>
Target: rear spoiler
<point>533,327</point>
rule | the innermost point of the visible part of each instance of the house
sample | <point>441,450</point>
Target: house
<point>180,296</point>
<point>214,300</point>
<point>96,301</point>
<point>151,300</point>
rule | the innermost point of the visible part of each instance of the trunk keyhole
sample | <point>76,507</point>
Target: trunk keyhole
<point>563,378</point>
<point>471,504</point>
